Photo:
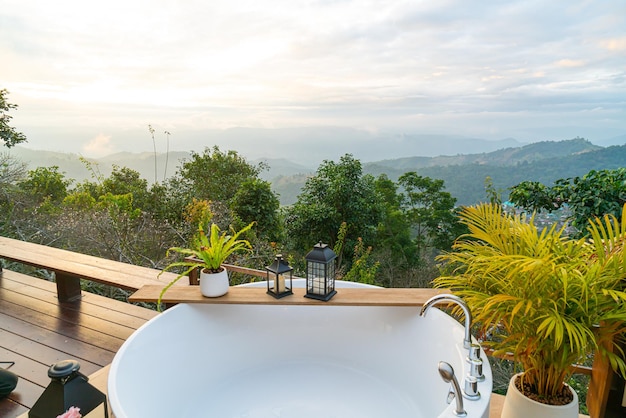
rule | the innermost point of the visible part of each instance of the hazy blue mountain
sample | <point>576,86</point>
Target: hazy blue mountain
<point>280,167</point>
<point>505,156</point>
<point>310,146</point>
<point>74,168</point>
<point>464,173</point>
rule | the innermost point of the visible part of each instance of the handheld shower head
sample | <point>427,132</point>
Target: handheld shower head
<point>447,374</point>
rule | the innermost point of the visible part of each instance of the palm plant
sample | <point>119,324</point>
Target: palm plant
<point>544,298</point>
<point>208,252</point>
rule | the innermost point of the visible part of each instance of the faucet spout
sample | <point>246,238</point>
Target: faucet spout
<point>447,298</point>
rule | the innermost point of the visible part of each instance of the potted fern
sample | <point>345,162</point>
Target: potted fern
<point>546,299</point>
<point>208,252</point>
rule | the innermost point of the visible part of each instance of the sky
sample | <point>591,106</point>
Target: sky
<point>89,77</point>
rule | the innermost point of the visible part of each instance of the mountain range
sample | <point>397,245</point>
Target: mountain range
<point>506,162</point>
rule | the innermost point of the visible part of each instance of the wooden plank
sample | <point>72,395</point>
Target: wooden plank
<point>63,321</point>
<point>37,288</point>
<point>258,296</point>
<point>78,348</point>
<point>23,347</point>
<point>25,394</point>
<point>36,330</point>
<point>10,408</point>
<point>96,317</point>
<point>115,273</point>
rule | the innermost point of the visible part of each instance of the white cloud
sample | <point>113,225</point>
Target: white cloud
<point>374,63</point>
<point>569,63</point>
<point>615,44</point>
<point>99,146</point>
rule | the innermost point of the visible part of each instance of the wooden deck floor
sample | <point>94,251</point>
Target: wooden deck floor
<point>37,331</point>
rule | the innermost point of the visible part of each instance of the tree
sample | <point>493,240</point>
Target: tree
<point>532,195</point>
<point>256,202</point>
<point>46,183</point>
<point>7,133</point>
<point>338,192</point>
<point>394,232</point>
<point>593,195</point>
<point>12,170</point>
<point>215,175</point>
<point>430,212</point>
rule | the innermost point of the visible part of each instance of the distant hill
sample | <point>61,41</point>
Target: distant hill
<point>542,161</point>
<point>504,156</point>
<point>464,174</point>
<point>74,168</point>
<point>280,167</point>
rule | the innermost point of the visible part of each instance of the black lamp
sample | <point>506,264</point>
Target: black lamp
<point>67,388</point>
<point>320,273</point>
<point>277,276</point>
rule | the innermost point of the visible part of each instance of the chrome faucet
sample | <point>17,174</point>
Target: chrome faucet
<point>447,374</point>
<point>473,359</point>
<point>467,341</point>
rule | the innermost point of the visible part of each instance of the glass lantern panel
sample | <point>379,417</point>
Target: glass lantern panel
<point>330,285</point>
<point>315,278</point>
<point>279,284</point>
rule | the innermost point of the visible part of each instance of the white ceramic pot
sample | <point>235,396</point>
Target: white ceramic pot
<point>516,405</point>
<point>213,285</point>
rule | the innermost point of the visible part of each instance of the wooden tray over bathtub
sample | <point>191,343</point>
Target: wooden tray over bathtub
<point>259,296</point>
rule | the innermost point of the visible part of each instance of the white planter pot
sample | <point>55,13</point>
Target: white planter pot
<point>516,405</point>
<point>213,285</point>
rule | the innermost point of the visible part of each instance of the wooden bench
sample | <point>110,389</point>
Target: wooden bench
<point>70,267</point>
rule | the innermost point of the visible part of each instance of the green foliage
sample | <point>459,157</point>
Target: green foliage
<point>429,210</point>
<point>338,192</point>
<point>593,195</point>
<point>80,201</point>
<point>464,175</point>
<point>393,234</point>
<point>119,204</point>
<point>8,134</point>
<point>255,202</point>
<point>123,180</point>
<point>532,195</point>
<point>540,294</point>
<point>215,175</point>
<point>47,186</point>
<point>340,242</point>
<point>363,268</point>
<point>493,194</point>
<point>209,252</point>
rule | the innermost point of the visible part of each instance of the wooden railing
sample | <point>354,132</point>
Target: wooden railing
<point>70,267</point>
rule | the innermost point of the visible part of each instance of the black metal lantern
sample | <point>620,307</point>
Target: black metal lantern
<point>279,278</point>
<point>320,273</point>
<point>68,388</point>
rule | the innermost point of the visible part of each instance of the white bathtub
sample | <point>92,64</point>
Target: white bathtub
<point>276,361</point>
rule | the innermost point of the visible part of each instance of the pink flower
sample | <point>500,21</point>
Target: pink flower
<point>73,412</point>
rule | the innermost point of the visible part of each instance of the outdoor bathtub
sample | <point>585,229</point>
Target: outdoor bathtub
<point>278,361</point>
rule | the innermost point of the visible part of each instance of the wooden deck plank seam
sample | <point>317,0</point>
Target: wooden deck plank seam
<point>50,300</point>
<point>20,311</point>
<point>50,287</point>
